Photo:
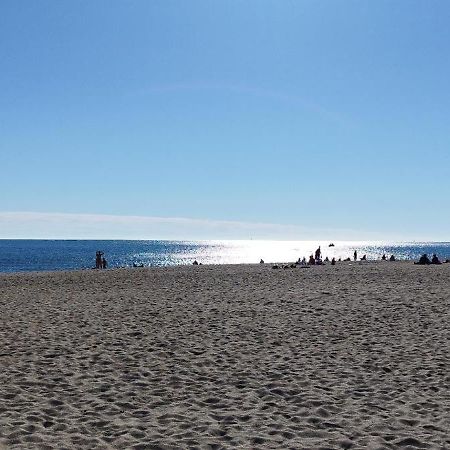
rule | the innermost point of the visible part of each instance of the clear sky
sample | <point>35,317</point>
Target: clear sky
<point>303,116</point>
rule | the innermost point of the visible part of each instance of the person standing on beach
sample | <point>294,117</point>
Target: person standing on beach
<point>104,263</point>
<point>98,259</point>
<point>355,255</point>
<point>318,253</point>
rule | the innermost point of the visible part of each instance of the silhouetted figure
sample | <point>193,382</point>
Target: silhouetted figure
<point>331,245</point>
<point>318,253</point>
<point>195,263</point>
<point>261,261</point>
<point>104,263</point>
<point>424,260</point>
<point>392,258</point>
<point>326,259</point>
<point>347,259</point>
<point>383,258</point>
<point>339,259</point>
<point>333,262</point>
<point>355,255</point>
<point>364,258</point>
<point>312,261</point>
<point>98,259</point>
<point>435,259</point>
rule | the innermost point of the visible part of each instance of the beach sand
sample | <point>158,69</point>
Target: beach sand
<point>351,356</point>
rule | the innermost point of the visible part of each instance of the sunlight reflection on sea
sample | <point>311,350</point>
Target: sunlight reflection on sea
<point>38,255</point>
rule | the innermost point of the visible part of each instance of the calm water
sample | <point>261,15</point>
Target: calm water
<point>32,255</point>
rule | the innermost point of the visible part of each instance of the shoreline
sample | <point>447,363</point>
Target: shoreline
<point>266,264</point>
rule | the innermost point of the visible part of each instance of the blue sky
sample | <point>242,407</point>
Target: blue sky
<point>300,115</point>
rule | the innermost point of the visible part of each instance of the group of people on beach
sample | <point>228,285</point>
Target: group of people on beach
<point>424,260</point>
<point>315,259</point>
<point>100,261</point>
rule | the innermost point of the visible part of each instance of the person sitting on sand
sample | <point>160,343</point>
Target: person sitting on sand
<point>195,263</point>
<point>424,260</point>
<point>326,259</point>
<point>435,259</point>
<point>383,258</point>
<point>333,261</point>
<point>261,261</point>
<point>392,258</point>
<point>312,261</point>
<point>364,258</point>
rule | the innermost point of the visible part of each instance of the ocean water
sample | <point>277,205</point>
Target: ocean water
<point>41,255</point>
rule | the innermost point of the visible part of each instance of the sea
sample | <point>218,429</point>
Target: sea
<point>49,255</point>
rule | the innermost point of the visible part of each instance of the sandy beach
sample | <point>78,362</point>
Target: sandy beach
<point>352,356</point>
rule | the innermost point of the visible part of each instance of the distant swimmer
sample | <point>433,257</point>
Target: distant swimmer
<point>331,245</point>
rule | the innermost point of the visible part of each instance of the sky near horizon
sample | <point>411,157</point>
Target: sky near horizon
<point>268,119</point>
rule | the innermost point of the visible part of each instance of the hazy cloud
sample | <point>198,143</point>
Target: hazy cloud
<point>37,225</point>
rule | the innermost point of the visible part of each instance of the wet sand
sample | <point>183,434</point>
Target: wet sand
<point>352,356</point>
